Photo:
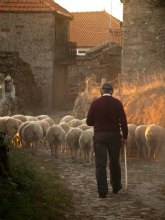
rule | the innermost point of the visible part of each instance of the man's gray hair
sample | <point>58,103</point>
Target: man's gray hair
<point>107,87</point>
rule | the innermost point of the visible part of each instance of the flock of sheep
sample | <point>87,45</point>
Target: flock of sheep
<point>75,136</point>
<point>30,133</point>
<point>146,141</point>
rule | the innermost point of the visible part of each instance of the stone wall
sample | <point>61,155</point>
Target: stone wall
<point>60,88</point>
<point>32,35</point>
<point>28,95</point>
<point>103,61</point>
<point>143,37</point>
<point>76,79</point>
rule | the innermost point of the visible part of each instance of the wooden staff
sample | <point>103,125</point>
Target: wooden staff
<point>125,162</point>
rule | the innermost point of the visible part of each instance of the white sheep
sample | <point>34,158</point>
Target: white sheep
<point>72,141</point>
<point>41,117</point>
<point>83,121</point>
<point>86,145</point>
<point>141,141</point>
<point>84,127</point>
<point>11,126</point>
<point>55,136</point>
<point>50,121</point>
<point>75,122</point>
<point>65,126</point>
<point>133,147</point>
<point>3,123</point>
<point>21,127</point>
<point>19,136</point>
<point>155,139</point>
<point>31,118</point>
<point>32,135</point>
<point>11,129</point>
<point>20,117</point>
<point>44,125</point>
<point>67,118</point>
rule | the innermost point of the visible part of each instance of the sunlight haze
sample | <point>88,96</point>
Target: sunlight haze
<point>114,7</point>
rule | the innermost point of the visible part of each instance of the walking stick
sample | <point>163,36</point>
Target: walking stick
<point>125,161</point>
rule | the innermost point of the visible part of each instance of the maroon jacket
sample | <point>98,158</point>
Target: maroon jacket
<point>107,114</point>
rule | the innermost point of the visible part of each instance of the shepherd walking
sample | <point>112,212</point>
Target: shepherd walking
<point>108,117</point>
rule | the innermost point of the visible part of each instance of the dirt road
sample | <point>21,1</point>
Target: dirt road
<point>145,198</point>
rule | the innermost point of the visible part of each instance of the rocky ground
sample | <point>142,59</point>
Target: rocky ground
<point>145,198</point>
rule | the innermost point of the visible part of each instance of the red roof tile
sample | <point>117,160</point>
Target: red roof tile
<point>32,6</point>
<point>89,29</point>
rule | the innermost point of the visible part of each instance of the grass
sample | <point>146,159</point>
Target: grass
<point>122,87</point>
<point>142,97</point>
<point>33,191</point>
<point>141,84</point>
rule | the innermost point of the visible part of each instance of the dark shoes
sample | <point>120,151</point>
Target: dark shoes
<point>102,196</point>
<point>116,190</point>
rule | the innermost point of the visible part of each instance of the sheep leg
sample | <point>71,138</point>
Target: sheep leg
<point>153,152</point>
<point>34,148</point>
<point>149,151</point>
<point>145,153</point>
<point>85,156</point>
<point>52,150</point>
<point>90,157</point>
<point>72,153</point>
<point>42,143</point>
<point>128,150</point>
<point>75,154</point>
<point>138,152</point>
<point>56,151</point>
<point>46,144</point>
<point>65,149</point>
<point>60,149</point>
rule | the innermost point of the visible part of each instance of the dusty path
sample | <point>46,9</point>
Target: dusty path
<point>145,198</point>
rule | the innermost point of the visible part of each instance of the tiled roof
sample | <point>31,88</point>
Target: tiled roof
<point>89,29</point>
<point>32,6</point>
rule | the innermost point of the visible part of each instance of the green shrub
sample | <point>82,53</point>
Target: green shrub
<point>33,191</point>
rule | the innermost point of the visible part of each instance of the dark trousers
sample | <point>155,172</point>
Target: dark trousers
<point>107,144</point>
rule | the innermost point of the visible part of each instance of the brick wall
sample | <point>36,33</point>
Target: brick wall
<point>32,35</point>
<point>143,37</point>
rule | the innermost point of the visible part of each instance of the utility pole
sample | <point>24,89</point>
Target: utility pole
<point>110,26</point>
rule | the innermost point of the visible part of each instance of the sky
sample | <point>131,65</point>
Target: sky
<point>114,7</point>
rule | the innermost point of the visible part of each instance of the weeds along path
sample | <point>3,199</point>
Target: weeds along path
<point>145,198</point>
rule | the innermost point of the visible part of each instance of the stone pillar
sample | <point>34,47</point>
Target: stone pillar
<point>143,38</point>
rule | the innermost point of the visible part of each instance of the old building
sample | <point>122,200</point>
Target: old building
<point>98,39</point>
<point>38,30</point>
<point>105,61</point>
<point>143,37</point>
<point>89,29</point>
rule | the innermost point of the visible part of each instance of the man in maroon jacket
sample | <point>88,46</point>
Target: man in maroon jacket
<point>106,114</point>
